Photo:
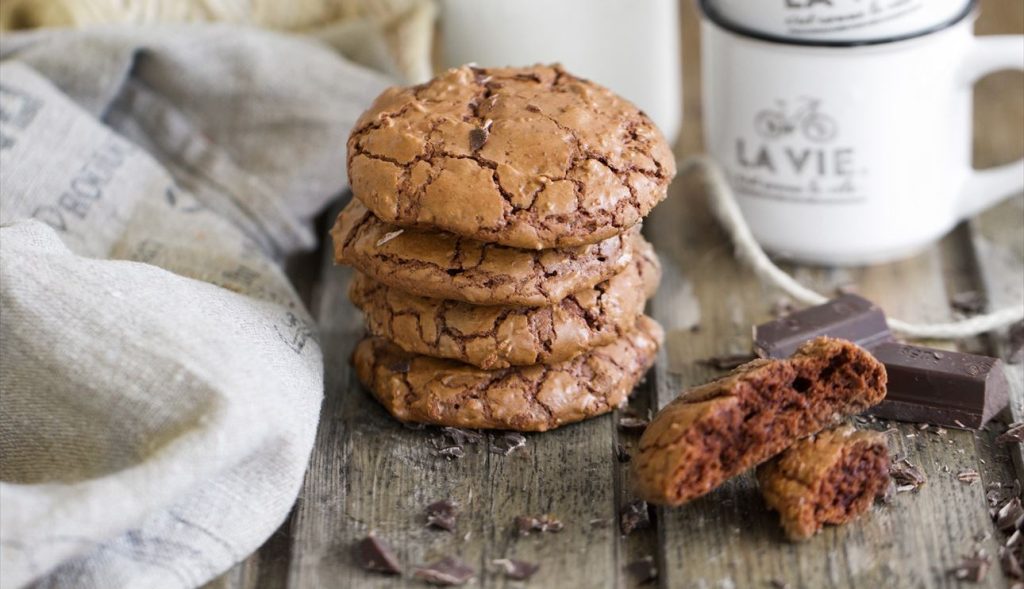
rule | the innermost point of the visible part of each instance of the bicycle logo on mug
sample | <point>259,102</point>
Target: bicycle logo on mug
<point>804,117</point>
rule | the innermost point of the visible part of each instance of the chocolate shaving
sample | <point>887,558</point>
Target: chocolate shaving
<point>507,443</point>
<point>1010,516</point>
<point>442,515</point>
<point>634,516</point>
<point>477,138</point>
<point>461,437</point>
<point>1011,563</point>
<point>448,571</point>
<point>969,476</point>
<point>1014,434</point>
<point>973,568</point>
<point>969,302</point>
<point>621,454</point>
<point>455,452</point>
<point>526,524</point>
<point>373,554</point>
<point>518,570</point>
<point>643,570</point>
<point>628,423</point>
<point>727,361</point>
<point>907,476</point>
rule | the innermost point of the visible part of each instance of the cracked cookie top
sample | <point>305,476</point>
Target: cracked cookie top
<point>498,336</point>
<point>446,266</point>
<point>526,157</point>
<point>421,389</point>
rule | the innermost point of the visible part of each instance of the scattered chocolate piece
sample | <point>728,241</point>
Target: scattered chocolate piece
<point>447,571</point>
<point>969,476</point>
<point>1015,354</point>
<point>1011,564</point>
<point>973,568</point>
<point>643,570</point>
<point>507,443</point>
<point>621,454</point>
<point>477,138</point>
<point>373,554</point>
<point>946,388</point>
<point>1015,433</point>
<point>1010,516</point>
<point>634,516</point>
<point>728,361</point>
<point>632,424</point>
<point>461,437</point>
<point>777,584</point>
<point>442,515</point>
<point>848,317</point>
<point>907,476</point>
<point>518,570</point>
<point>527,524</point>
<point>968,302</point>
<point>450,452</point>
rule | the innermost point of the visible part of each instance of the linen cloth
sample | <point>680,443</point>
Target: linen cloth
<point>160,381</point>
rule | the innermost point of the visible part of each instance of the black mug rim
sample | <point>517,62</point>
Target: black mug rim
<point>711,14</point>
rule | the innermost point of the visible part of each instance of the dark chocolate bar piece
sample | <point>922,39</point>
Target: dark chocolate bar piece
<point>944,388</point>
<point>848,317</point>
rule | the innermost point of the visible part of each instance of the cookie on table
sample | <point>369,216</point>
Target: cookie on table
<point>719,430</point>
<point>422,389</point>
<point>529,157</point>
<point>502,336</point>
<point>829,478</point>
<point>446,266</point>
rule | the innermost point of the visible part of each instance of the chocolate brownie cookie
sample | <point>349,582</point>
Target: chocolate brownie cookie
<point>720,429</point>
<point>501,336</point>
<point>446,266</point>
<point>528,398</point>
<point>526,157</point>
<point>829,478</point>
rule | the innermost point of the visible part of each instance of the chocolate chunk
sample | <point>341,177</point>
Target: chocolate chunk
<point>906,476</point>
<point>1010,516</point>
<point>455,452</point>
<point>447,571</point>
<point>442,515</point>
<point>401,366</point>
<point>951,389</point>
<point>632,424</point>
<point>373,554</point>
<point>461,437</point>
<point>517,570</point>
<point>643,570</point>
<point>728,361</point>
<point>477,138</point>
<point>1015,433</point>
<point>507,443</point>
<point>621,454</point>
<point>634,516</point>
<point>848,317</point>
<point>973,568</point>
<point>541,523</point>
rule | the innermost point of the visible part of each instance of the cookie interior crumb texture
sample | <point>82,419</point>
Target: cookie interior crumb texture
<point>498,336</point>
<point>532,398</point>
<point>719,430</point>
<point>445,266</point>
<point>830,478</point>
<point>529,157</point>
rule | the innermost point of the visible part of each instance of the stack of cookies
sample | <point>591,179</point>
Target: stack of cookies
<point>496,233</point>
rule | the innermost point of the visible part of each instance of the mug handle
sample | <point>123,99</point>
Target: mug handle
<point>987,187</point>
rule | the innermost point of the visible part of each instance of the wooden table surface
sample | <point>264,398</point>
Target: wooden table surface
<point>369,473</point>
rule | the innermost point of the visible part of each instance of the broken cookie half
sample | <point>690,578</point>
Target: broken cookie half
<point>829,478</point>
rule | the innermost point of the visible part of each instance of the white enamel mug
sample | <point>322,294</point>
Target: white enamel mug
<point>853,155</point>
<point>839,21</point>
